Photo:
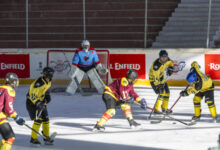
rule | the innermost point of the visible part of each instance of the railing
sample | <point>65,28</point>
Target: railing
<point>208,26</point>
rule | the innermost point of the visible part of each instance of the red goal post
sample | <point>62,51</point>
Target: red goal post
<point>61,61</point>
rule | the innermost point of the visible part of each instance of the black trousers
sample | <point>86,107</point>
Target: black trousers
<point>110,102</point>
<point>166,88</point>
<point>6,131</point>
<point>31,108</point>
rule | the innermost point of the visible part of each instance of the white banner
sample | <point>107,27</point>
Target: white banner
<point>187,57</point>
<point>37,63</point>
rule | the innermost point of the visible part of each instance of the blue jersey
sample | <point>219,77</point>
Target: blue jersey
<point>83,59</point>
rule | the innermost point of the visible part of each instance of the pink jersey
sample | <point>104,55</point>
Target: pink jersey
<point>120,89</point>
<point>7,96</point>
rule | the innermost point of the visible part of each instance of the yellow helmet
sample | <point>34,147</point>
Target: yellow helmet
<point>195,64</point>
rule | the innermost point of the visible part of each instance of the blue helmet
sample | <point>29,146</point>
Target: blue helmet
<point>191,77</point>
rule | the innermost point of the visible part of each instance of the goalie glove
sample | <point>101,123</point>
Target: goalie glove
<point>101,69</point>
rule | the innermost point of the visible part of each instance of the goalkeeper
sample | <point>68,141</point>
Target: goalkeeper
<point>86,61</point>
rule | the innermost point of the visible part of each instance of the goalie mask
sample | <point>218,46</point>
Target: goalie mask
<point>131,74</point>
<point>12,79</point>
<point>85,45</point>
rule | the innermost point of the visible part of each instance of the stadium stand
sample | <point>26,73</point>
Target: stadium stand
<point>58,23</point>
<point>187,27</point>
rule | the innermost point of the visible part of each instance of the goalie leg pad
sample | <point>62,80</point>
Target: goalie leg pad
<point>72,87</point>
<point>96,80</point>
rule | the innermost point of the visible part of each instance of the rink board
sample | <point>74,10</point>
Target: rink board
<point>209,60</point>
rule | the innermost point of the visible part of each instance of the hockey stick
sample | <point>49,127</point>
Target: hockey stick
<point>157,99</point>
<point>80,88</point>
<point>187,124</point>
<point>177,99</point>
<point>161,119</point>
<point>179,67</point>
<point>165,115</point>
<point>38,114</point>
<point>53,135</point>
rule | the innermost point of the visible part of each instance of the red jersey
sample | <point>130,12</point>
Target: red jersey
<point>120,89</point>
<point>7,96</point>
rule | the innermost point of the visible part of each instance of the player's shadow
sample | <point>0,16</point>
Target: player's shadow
<point>22,143</point>
<point>85,126</point>
<point>125,131</point>
<point>144,114</point>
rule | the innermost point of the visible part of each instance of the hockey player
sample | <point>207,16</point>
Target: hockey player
<point>119,94</point>
<point>38,97</point>
<point>202,86</point>
<point>157,81</point>
<point>7,96</point>
<point>86,61</point>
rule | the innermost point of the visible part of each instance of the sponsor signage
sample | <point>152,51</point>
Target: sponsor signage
<point>121,63</point>
<point>212,65</point>
<point>16,63</point>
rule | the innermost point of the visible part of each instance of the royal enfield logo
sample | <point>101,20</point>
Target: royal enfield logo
<point>214,66</point>
<point>119,66</point>
<point>5,66</point>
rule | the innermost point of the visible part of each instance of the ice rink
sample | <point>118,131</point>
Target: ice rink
<point>73,118</point>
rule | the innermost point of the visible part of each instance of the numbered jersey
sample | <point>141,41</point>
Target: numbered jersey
<point>120,89</point>
<point>7,96</point>
<point>83,59</point>
<point>38,89</point>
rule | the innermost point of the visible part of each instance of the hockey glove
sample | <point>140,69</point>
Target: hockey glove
<point>184,93</point>
<point>143,103</point>
<point>20,121</point>
<point>170,71</point>
<point>47,98</point>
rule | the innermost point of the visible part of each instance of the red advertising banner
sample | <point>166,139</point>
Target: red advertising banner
<point>121,63</point>
<point>16,63</point>
<point>212,65</point>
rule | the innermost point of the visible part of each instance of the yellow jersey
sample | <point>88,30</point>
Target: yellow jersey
<point>156,74</point>
<point>38,89</point>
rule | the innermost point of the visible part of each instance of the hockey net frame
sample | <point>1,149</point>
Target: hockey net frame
<point>62,65</point>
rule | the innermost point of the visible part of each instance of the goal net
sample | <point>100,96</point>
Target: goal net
<point>61,62</point>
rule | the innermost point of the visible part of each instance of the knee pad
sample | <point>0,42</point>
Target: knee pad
<point>125,106</point>
<point>197,99</point>
<point>210,102</point>
<point>10,141</point>
<point>164,96</point>
<point>111,112</point>
<point>45,119</point>
<point>39,121</point>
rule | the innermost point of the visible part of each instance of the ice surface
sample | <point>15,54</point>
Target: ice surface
<point>73,117</point>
